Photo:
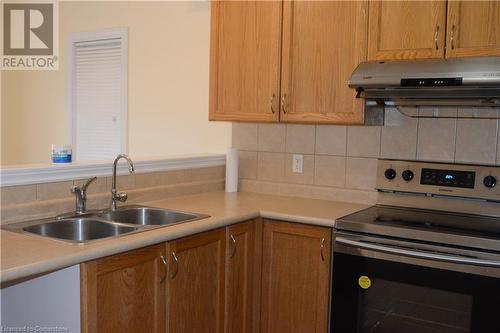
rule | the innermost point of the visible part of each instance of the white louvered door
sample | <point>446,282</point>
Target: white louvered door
<point>99,96</point>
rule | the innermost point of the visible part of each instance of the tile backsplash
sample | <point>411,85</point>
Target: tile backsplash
<point>49,199</point>
<point>345,157</point>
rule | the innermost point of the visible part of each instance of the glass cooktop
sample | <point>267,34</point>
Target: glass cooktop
<point>404,222</point>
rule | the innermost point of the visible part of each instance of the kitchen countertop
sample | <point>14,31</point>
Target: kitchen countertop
<point>24,255</point>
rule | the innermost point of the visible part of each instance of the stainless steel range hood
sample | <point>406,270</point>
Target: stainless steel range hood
<point>473,82</point>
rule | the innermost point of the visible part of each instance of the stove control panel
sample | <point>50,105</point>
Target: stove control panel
<point>452,178</point>
<point>473,181</point>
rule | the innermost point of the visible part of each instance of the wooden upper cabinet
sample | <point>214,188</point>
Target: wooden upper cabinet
<point>195,288</point>
<point>323,42</point>
<point>243,267</point>
<point>473,28</point>
<point>295,278</point>
<point>245,60</point>
<point>406,30</point>
<point>124,292</point>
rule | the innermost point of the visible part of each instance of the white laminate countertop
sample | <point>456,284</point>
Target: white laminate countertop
<point>24,255</point>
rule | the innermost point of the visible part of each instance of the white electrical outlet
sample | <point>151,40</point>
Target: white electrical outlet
<point>297,163</point>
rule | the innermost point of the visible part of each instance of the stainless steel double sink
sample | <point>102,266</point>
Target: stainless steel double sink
<point>97,225</point>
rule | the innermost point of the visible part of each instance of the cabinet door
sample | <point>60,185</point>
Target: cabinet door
<point>295,278</point>
<point>245,60</point>
<point>323,42</point>
<point>124,292</point>
<point>473,28</point>
<point>243,268</point>
<point>406,30</point>
<point>195,290</point>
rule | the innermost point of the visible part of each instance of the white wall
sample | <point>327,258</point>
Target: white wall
<point>168,83</point>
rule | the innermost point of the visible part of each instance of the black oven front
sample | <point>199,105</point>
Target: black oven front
<point>385,285</point>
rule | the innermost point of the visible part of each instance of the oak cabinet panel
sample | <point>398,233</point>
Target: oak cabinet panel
<point>286,61</point>
<point>243,271</point>
<point>295,278</point>
<point>473,28</point>
<point>255,276</point>
<point>401,30</point>
<point>124,292</point>
<point>195,288</point>
<point>323,42</point>
<point>406,30</point>
<point>289,61</point>
<point>245,60</point>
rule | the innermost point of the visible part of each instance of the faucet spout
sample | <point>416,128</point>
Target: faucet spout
<point>116,196</point>
<point>81,196</point>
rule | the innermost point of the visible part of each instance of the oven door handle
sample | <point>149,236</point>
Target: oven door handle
<point>417,254</point>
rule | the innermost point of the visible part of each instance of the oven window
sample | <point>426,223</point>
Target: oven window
<point>400,307</point>
<point>372,295</point>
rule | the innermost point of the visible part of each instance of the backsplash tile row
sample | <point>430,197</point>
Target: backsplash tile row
<point>345,157</point>
<point>62,190</point>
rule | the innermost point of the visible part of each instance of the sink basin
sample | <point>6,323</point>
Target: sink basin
<point>150,216</point>
<point>78,230</point>
<point>95,225</point>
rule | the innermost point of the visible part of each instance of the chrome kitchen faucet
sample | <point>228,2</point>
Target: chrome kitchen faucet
<point>80,193</point>
<point>115,195</point>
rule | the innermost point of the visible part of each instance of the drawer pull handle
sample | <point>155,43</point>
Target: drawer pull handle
<point>283,104</point>
<point>174,274</point>
<point>272,103</point>
<point>233,240</point>
<point>165,266</point>
<point>436,34</point>
<point>322,249</point>
<point>452,37</point>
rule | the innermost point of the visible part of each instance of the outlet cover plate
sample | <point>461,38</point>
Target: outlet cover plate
<point>298,163</point>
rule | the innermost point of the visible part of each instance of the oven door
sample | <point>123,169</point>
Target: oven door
<point>392,286</point>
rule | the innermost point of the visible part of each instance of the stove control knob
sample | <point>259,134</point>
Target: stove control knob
<point>489,181</point>
<point>407,175</point>
<point>390,174</point>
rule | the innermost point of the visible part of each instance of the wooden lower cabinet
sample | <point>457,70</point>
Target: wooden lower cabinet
<point>256,276</point>
<point>295,278</point>
<point>195,288</point>
<point>124,292</point>
<point>243,270</point>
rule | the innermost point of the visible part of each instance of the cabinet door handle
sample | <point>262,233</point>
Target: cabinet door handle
<point>174,274</point>
<point>283,104</point>
<point>436,34</point>
<point>271,101</point>
<point>322,249</point>
<point>452,37</point>
<point>233,240</point>
<point>165,267</point>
